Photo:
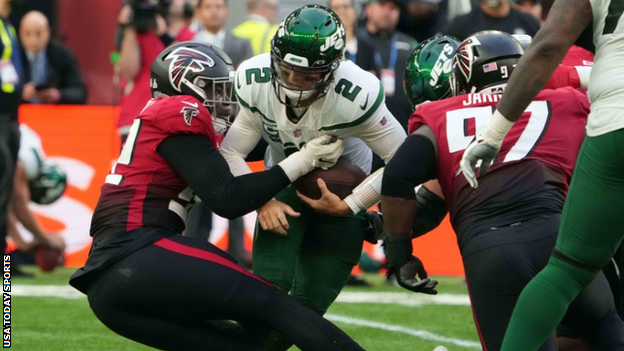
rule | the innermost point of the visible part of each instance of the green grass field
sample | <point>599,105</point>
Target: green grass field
<point>47,316</point>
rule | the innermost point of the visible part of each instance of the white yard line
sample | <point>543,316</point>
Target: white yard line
<point>65,292</point>
<point>422,334</point>
<point>403,299</point>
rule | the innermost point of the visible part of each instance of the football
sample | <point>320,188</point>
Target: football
<point>48,258</point>
<point>340,179</point>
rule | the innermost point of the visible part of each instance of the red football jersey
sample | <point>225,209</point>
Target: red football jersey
<point>577,56</point>
<point>551,131</point>
<point>142,190</point>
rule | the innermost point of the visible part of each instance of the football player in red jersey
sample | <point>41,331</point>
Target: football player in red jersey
<point>507,229</point>
<point>150,284</point>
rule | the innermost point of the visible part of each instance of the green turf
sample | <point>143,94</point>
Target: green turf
<point>51,323</point>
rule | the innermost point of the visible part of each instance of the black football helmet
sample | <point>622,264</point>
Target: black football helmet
<point>199,70</point>
<point>483,63</point>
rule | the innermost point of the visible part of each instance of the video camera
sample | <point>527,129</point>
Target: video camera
<point>144,13</point>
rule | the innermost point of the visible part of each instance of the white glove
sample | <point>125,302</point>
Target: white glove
<point>322,152</point>
<point>485,148</point>
<point>477,150</point>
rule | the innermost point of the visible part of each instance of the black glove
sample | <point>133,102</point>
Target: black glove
<point>407,267</point>
<point>375,230</point>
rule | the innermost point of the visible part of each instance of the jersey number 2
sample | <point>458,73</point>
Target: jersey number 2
<point>459,138</point>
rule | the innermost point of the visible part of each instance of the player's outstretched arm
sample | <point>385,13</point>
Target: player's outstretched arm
<point>412,165</point>
<point>196,160</point>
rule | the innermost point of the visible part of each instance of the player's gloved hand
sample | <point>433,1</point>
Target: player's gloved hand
<point>485,148</point>
<point>323,151</point>
<point>477,150</point>
<point>406,267</point>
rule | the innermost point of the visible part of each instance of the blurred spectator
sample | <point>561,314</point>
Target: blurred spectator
<point>10,96</point>
<point>181,14</point>
<point>213,14</point>
<point>37,180</point>
<point>531,7</point>
<point>345,9</point>
<point>140,44</point>
<point>492,15</point>
<point>259,27</point>
<point>422,19</point>
<point>50,68</point>
<point>390,49</point>
<point>193,25</point>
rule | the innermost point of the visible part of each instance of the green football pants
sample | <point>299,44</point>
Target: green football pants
<point>315,259</point>
<point>589,235</point>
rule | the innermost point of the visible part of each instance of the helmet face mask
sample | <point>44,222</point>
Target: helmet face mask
<point>299,84</point>
<point>428,70</point>
<point>219,99</point>
<point>305,52</point>
<point>484,62</point>
<point>199,70</point>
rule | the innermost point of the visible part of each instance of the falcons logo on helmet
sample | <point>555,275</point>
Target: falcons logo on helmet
<point>464,57</point>
<point>185,59</point>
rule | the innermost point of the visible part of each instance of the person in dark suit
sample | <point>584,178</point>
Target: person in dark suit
<point>50,69</point>
<point>213,14</point>
<point>492,15</point>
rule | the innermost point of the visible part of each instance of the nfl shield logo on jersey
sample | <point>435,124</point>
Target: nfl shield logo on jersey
<point>383,121</point>
<point>297,132</point>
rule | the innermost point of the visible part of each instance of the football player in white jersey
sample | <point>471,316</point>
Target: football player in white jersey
<point>38,180</point>
<point>590,229</point>
<point>301,90</point>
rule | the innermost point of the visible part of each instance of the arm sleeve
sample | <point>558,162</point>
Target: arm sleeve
<point>430,211</point>
<point>413,164</point>
<point>240,140</point>
<point>196,160</point>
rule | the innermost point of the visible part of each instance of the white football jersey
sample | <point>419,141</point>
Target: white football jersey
<point>606,84</point>
<point>353,110</point>
<point>31,152</point>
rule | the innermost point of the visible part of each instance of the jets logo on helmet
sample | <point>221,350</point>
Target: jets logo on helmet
<point>442,65</point>
<point>184,59</point>
<point>464,57</point>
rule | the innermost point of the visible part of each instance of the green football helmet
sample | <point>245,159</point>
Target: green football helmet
<point>428,70</point>
<point>50,185</point>
<point>305,52</point>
